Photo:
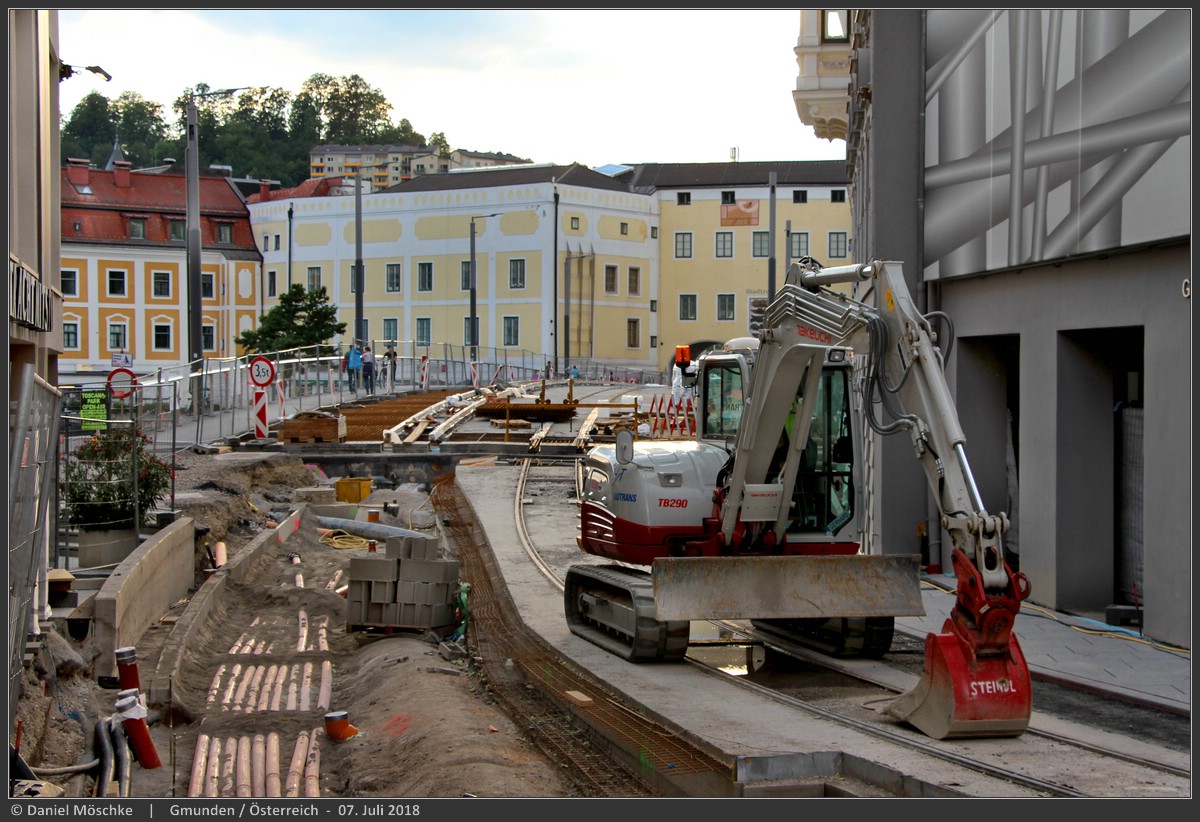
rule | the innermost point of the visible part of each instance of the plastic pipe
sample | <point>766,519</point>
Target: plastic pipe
<point>228,760</point>
<point>291,787</point>
<point>242,768</point>
<point>302,640</point>
<point>305,685</point>
<point>367,530</point>
<point>104,752</point>
<point>215,688</point>
<point>212,776</point>
<point>326,690</point>
<point>271,766</point>
<point>133,714</point>
<point>220,555</point>
<point>199,766</point>
<point>258,766</point>
<point>312,767</point>
<point>255,684</point>
<point>116,729</point>
<point>127,669</point>
<point>264,701</point>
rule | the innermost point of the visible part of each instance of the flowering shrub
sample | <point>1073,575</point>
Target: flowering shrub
<point>97,485</point>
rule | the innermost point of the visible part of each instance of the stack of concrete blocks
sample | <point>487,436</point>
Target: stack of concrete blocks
<point>408,587</point>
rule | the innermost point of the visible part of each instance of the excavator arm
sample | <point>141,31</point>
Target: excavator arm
<point>976,682</point>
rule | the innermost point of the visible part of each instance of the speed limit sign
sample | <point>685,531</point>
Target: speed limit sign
<point>262,372</point>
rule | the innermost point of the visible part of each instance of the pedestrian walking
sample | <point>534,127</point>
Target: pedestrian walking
<point>368,367</point>
<point>353,366</point>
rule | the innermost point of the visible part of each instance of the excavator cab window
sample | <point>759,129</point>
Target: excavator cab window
<point>824,495</point>
<point>723,396</point>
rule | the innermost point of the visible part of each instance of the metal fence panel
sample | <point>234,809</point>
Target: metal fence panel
<point>32,443</point>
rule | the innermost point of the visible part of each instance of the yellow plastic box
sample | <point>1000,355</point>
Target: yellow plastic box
<point>353,489</point>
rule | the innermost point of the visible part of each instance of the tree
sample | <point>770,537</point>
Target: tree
<point>443,145</point>
<point>88,132</point>
<point>140,127</point>
<point>302,318</point>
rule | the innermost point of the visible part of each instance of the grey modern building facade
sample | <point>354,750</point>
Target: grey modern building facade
<point>1032,169</point>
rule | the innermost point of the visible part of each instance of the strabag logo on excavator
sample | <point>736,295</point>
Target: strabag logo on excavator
<point>805,332</point>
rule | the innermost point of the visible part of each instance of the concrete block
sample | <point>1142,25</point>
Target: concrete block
<point>429,548</point>
<point>378,568</point>
<point>440,616</point>
<point>319,494</point>
<point>358,591</point>
<point>391,614</point>
<point>406,592</point>
<point>428,570</point>
<point>408,615</point>
<point>433,593</point>
<point>383,592</point>
<point>398,547</point>
<point>335,510</point>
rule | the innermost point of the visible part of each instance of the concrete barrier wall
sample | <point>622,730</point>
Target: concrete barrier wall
<point>141,589</point>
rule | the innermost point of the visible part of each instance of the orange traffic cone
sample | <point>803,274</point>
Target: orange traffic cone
<point>338,727</point>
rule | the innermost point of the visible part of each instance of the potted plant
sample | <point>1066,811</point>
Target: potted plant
<point>97,489</point>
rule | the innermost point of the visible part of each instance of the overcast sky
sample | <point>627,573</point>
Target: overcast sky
<point>590,86</point>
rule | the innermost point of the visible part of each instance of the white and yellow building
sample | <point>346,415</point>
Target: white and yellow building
<point>618,267</point>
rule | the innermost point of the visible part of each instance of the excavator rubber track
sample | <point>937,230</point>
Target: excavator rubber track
<point>842,637</point>
<point>613,607</point>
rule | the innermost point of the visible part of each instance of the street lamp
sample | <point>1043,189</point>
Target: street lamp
<point>192,187</point>
<point>358,276</point>
<point>473,324</point>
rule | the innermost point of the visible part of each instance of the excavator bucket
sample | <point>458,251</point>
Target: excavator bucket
<point>960,697</point>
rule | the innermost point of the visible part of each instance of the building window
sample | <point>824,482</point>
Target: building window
<point>610,279</point>
<point>798,244</point>
<point>392,278</point>
<point>727,198</point>
<point>653,341</point>
<point>177,229</point>
<point>207,285</point>
<point>761,244</point>
<point>516,273</point>
<point>391,329</point>
<point>68,282</point>
<point>624,229</point>
<point>683,198</point>
<point>116,282</point>
<point>160,284</point>
<point>314,277</point>
<point>687,306</point>
<point>725,309</point>
<point>800,195</point>
<point>71,336</point>
<point>838,244</point>
<point>574,223</point>
<point>276,242</point>
<point>271,286</point>
<point>116,336</point>
<point>266,242</point>
<point>633,333</point>
<point>683,245</point>
<point>635,281</point>
<point>838,195</point>
<point>224,233</point>
<point>424,276</point>
<point>653,306</point>
<point>366,330</point>
<point>470,331</point>
<point>208,338</point>
<point>512,331</point>
<point>137,228</point>
<point>162,336</point>
<point>653,232</point>
<point>835,27</point>
<point>464,275</point>
<point>424,331</point>
<point>724,244</point>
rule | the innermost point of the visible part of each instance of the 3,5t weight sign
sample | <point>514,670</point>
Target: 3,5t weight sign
<point>262,372</point>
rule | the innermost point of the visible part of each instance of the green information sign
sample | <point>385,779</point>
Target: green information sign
<point>93,408</point>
